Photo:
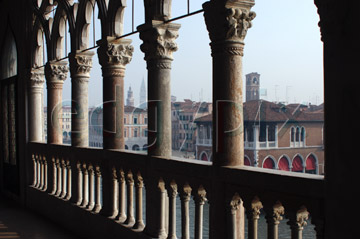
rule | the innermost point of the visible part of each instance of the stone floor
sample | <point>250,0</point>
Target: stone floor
<point>17,222</point>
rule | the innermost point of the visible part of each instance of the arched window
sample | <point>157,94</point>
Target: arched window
<point>311,164</point>
<point>302,135</point>
<point>297,134</point>
<point>269,163</point>
<point>292,137</point>
<point>283,164</point>
<point>247,161</point>
<point>297,164</point>
<point>136,147</point>
<point>204,157</point>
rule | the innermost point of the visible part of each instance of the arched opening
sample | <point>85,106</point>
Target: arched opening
<point>144,147</point>
<point>269,163</point>
<point>9,109</point>
<point>311,164</point>
<point>283,164</point>
<point>297,164</point>
<point>204,157</point>
<point>247,161</point>
<point>135,147</point>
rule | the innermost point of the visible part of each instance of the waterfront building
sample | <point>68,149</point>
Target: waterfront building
<point>276,136</point>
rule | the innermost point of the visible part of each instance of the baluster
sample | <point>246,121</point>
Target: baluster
<point>236,225</point>
<point>115,195</point>
<point>79,184</point>
<point>253,214</point>
<point>173,192</point>
<point>54,176</point>
<point>58,180</point>
<point>185,195</point>
<point>41,163</point>
<point>85,200</point>
<point>97,207</point>
<point>91,204</point>
<point>35,170</point>
<point>200,199</point>
<point>130,220</point>
<point>273,218</point>
<point>38,175</point>
<point>68,181</point>
<point>45,174</point>
<point>139,185</point>
<point>121,217</point>
<point>63,181</point>
<point>297,221</point>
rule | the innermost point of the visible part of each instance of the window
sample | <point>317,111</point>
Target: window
<point>135,120</point>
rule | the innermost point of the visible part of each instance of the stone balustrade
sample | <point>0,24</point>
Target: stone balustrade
<point>113,184</point>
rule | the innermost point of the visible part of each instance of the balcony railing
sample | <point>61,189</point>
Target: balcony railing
<point>110,186</point>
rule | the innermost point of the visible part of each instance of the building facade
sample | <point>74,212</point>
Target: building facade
<point>276,136</point>
<point>252,86</point>
<point>183,115</point>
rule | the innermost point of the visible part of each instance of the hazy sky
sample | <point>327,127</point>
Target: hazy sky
<point>283,46</point>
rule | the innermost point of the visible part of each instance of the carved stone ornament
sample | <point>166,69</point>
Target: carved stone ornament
<point>159,40</point>
<point>228,23</point>
<point>56,71</point>
<point>80,64</point>
<point>256,206</point>
<point>36,79</point>
<point>301,216</point>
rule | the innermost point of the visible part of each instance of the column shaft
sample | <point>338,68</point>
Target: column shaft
<point>80,66</point>
<point>55,73</point>
<point>114,54</point>
<point>159,44</point>
<point>35,90</point>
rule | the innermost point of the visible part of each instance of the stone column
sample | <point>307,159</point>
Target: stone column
<point>80,66</point>
<point>158,46</point>
<point>114,55</point>
<point>35,90</point>
<point>227,23</point>
<point>55,73</point>
<point>273,218</point>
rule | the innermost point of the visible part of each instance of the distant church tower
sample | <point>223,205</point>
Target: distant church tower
<point>252,86</point>
<point>130,98</point>
<point>143,97</point>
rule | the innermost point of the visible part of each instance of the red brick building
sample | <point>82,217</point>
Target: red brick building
<point>276,136</point>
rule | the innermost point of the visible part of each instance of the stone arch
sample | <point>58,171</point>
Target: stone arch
<point>312,164</point>
<point>247,161</point>
<point>297,164</point>
<point>204,156</point>
<point>135,147</point>
<point>58,33</point>
<point>8,58</point>
<point>284,163</point>
<point>84,17</point>
<point>269,162</point>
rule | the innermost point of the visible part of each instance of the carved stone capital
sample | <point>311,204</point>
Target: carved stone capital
<point>299,219</point>
<point>230,21</point>
<point>80,64</point>
<point>235,203</point>
<point>36,79</point>
<point>158,40</point>
<point>200,197</point>
<point>56,73</point>
<point>115,54</point>
<point>185,193</point>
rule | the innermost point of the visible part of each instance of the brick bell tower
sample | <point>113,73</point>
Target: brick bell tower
<point>252,86</point>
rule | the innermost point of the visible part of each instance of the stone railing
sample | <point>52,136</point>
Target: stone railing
<point>140,193</point>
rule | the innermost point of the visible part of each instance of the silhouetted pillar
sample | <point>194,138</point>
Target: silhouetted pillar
<point>158,46</point>
<point>35,92</point>
<point>80,66</point>
<point>55,73</point>
<point>114,55</point>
